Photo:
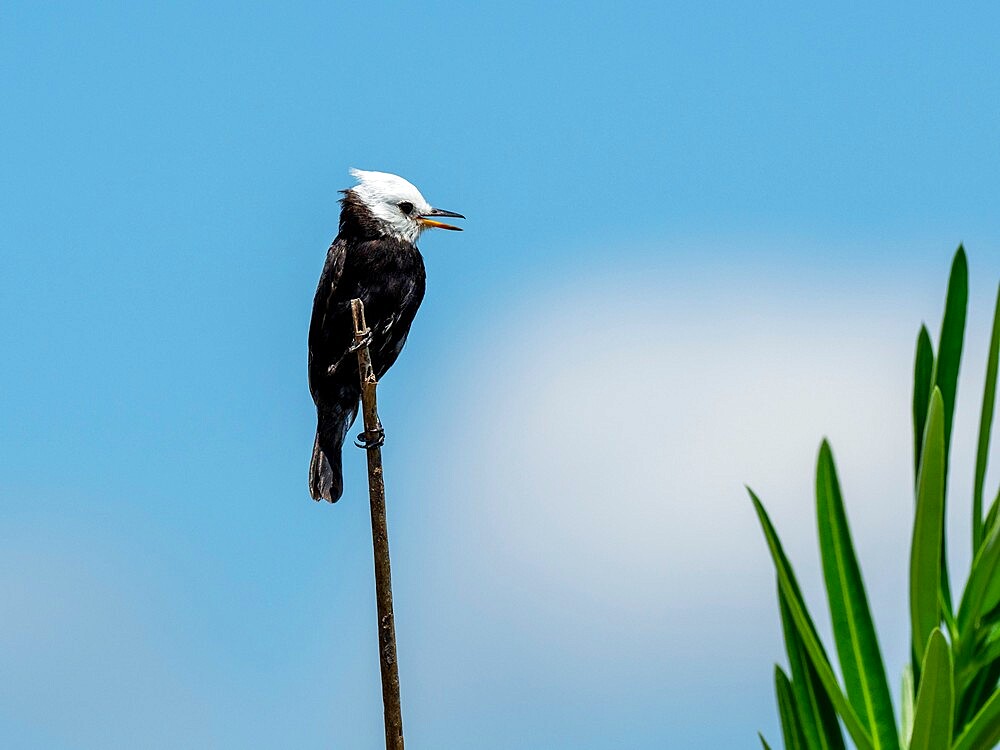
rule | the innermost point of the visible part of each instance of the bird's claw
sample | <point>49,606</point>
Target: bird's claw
<point>365,340</point>
<point>371,439</point>
<point>361,343</point>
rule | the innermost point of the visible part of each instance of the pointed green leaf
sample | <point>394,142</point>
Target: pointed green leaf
<point>985,426</point>
<point>923,380</point>
<point>928,532</point>
<point>946,368</point>
<point>906,710</point>
<point>807,631</point>
<point>853,629</point>
<point>763,741</point>
<point>932,718</point>
<point>949,357</point>
<point>791,731</point>
<point>991,516</point>
<point>984,729</point>
<point>817,716</point>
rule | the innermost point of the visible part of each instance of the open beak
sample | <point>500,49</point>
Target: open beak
<point>427,221</point>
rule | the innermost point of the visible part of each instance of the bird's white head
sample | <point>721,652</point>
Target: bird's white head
<point>398,205</point>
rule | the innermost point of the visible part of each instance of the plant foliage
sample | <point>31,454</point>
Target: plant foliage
<point>950,696</point>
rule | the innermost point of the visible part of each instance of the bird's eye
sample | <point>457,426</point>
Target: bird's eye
<point>406,207</point>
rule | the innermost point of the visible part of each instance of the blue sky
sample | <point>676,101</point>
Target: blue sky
<point>753,204</point>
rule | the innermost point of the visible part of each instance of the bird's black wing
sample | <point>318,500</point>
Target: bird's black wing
<point>333,377</point>
<point>327,342</point>
<point>391,335</point>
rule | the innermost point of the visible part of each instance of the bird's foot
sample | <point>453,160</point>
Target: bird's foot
<point>371,438</point>
<point>361,343</point>
<point>366,340</point>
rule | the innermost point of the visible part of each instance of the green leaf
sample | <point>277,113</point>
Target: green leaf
<point>928,531</point>
<point>923,381</point>
<point>791,732</point>
<point>985,426</point>
<point>807,631</point>
<point>934,712</point>
<point>977,695</point>
<point>946,368</point>
<point>991,598</point>
<point>906,710</point>
<point>817,716</point>
<point>984,658</point>
<point>984,729</point>
<point>763,741</point>
<point>991,515</point>
<point>973,649</point>
<point>982,591</point>
<point>853,629</point>
<point>949,357</point>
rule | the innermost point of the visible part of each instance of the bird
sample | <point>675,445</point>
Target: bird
<point>374,258</point>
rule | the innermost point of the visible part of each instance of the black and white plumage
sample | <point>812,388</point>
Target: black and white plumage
<point>374,258</point>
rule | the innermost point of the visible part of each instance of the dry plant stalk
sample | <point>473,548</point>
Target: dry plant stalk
<point>380,538</point>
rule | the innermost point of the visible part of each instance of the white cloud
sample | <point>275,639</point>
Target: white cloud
<point>625,433</point>
<point>599,498</point>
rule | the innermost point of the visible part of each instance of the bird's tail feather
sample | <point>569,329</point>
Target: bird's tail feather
<point>326,479</point>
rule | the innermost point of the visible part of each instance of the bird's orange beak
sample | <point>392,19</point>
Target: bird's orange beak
<point>426,221</point>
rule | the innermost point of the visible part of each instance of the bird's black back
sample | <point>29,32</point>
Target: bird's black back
<point>388,276</point>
